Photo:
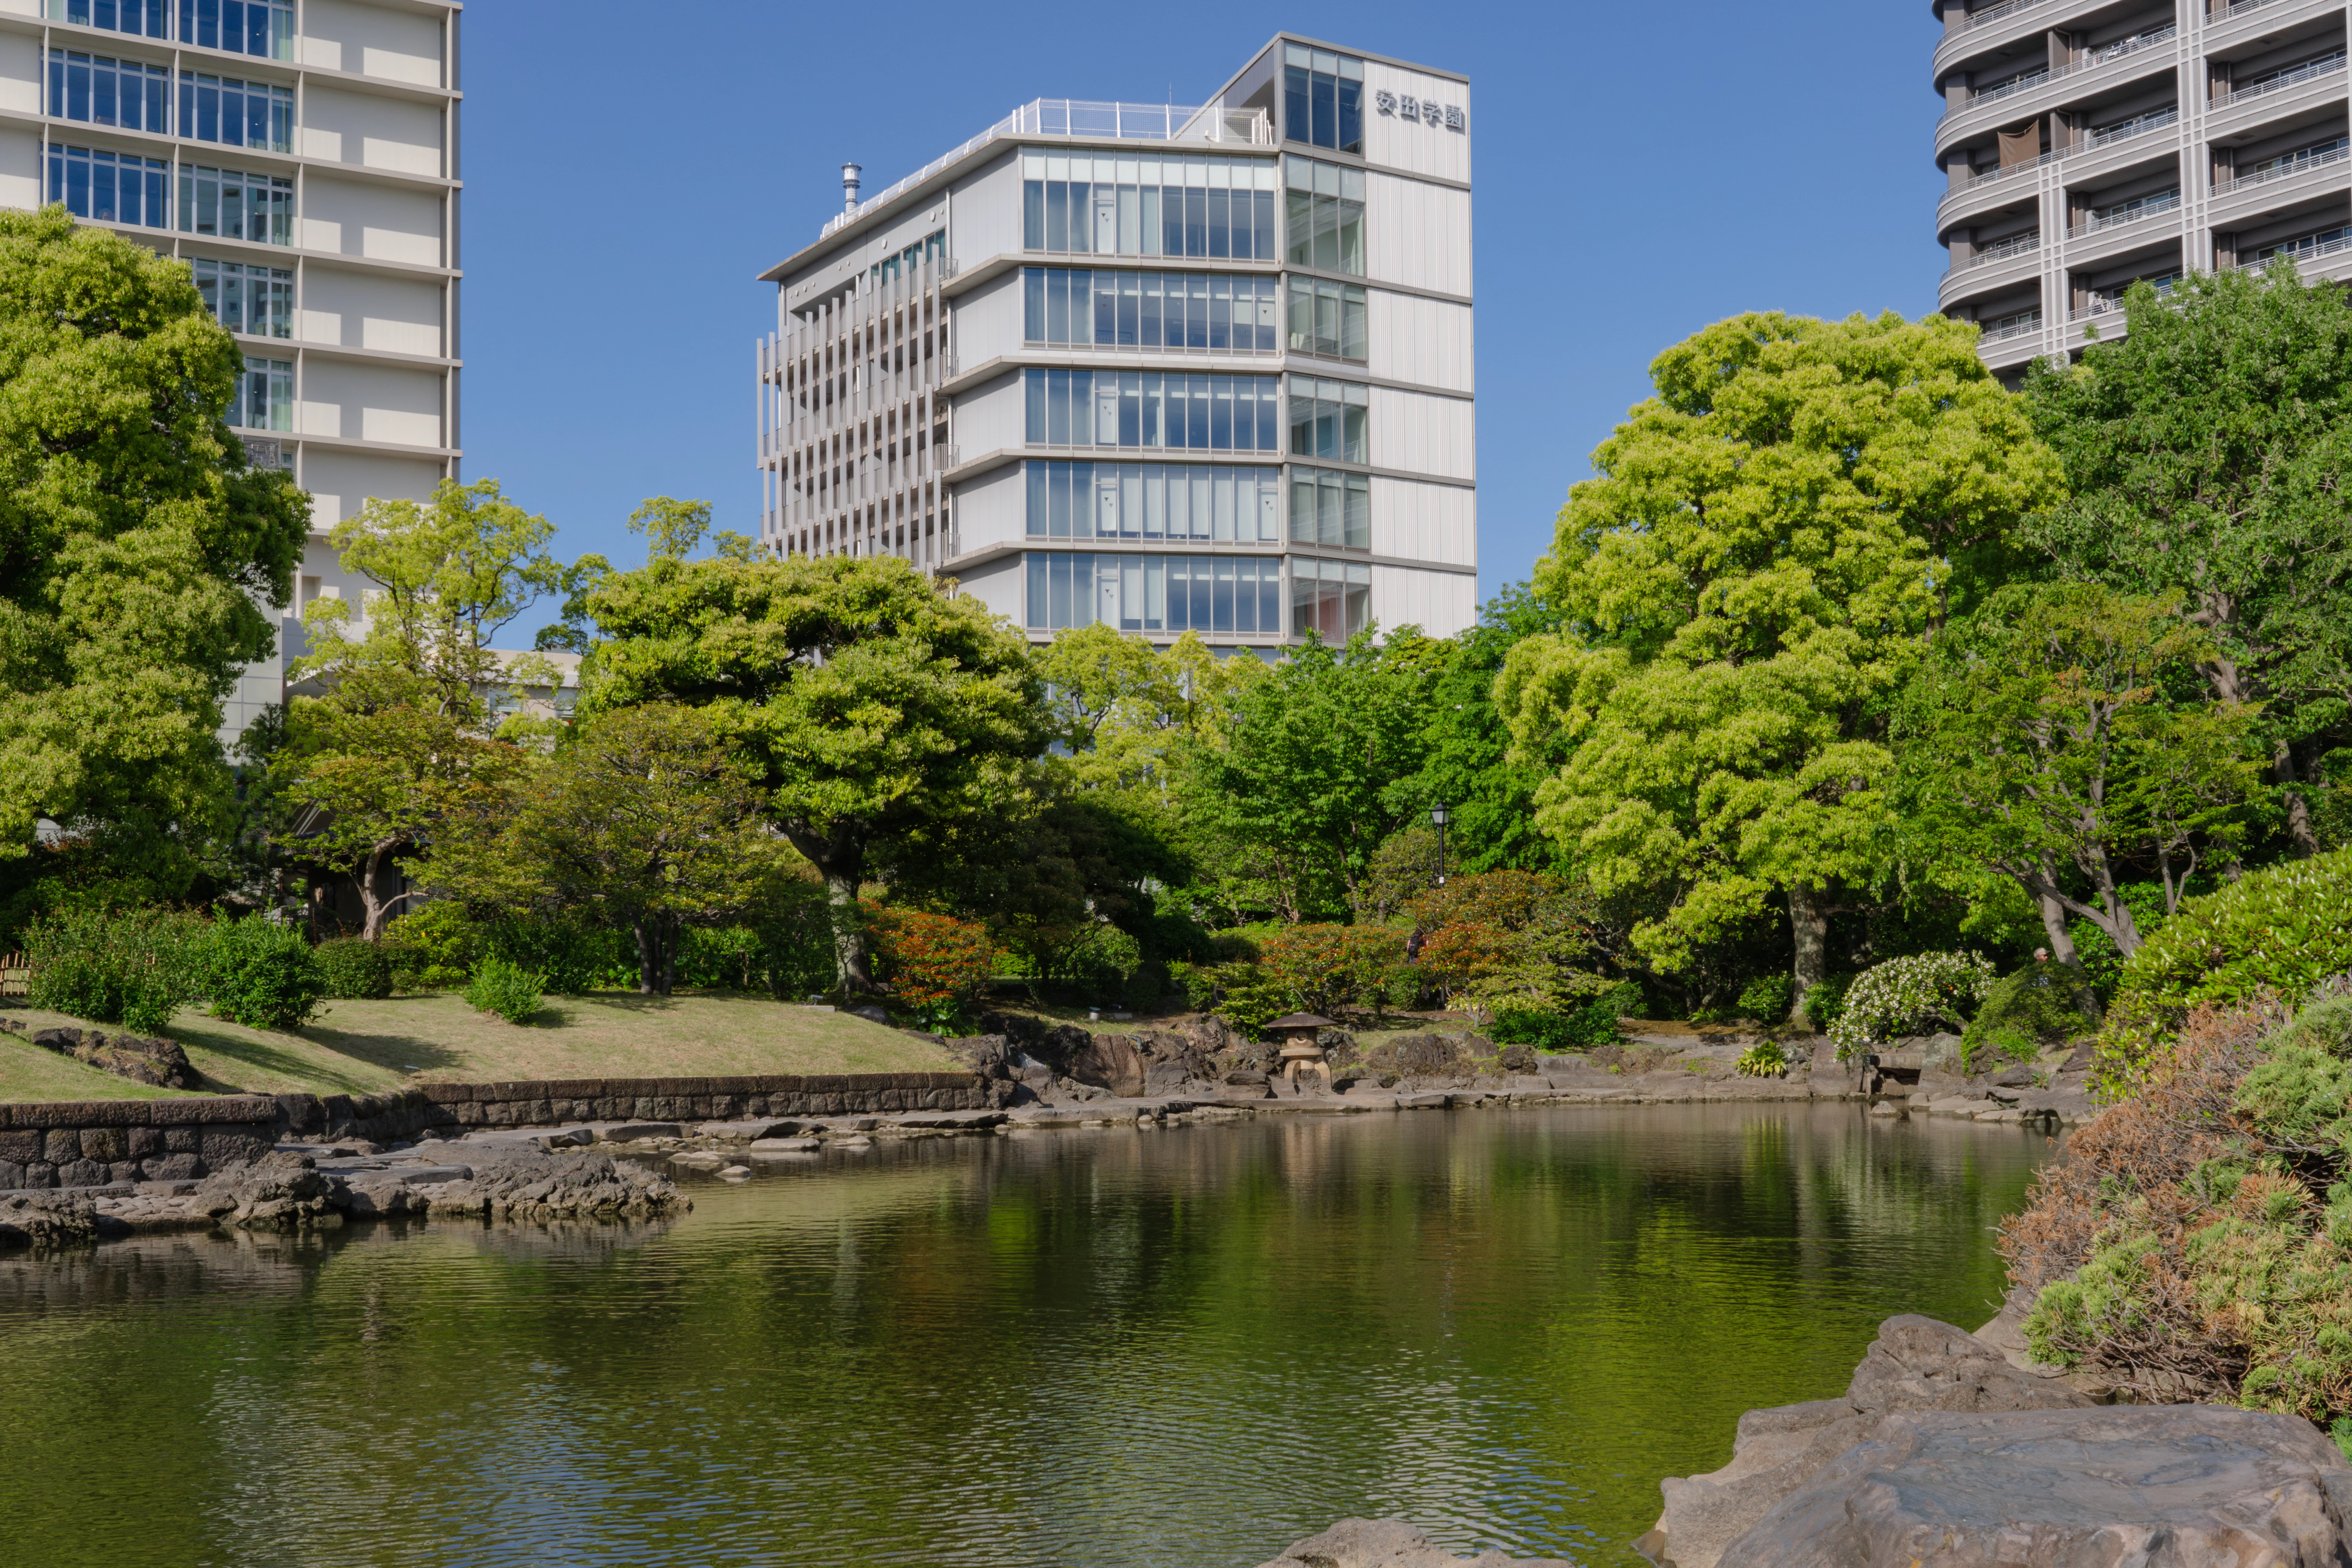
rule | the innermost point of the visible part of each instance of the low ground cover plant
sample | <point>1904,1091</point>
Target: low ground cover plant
<point>1762,1059</point>
<point>1909,997</point>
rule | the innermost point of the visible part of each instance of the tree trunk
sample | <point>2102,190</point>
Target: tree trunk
<point>2061,953</point>
<point>849,961</point>
<point>2299,828</point>
<point>649,963</point>
<point>1809,922</point>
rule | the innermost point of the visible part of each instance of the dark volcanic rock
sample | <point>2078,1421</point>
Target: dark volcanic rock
<point>528,1183</point>
<point>281,1192</point>
<point>1391,1543</point>
<point>135,1057</point>
<point>45,1220</point>
<point>2179,1485</point>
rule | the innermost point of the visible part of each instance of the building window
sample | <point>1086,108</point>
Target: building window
<point>928,251</point>
<point>1332,599</point>
<point>237,113</point>
<point>1207,205</point>
<point>1154,500</point>
<point>234,205</point>
<point>1145,408</point>
<point>256,300</point>
<point>1166,310</point>
<point>1322,97</point>
<point>261,28</point>
<point>1330,507</point>
<point>110,187</point>
<point>265,395</point>
<point>1328,419</point>
<point>1327,318</point>
<point>1324,215</point>
<point>102,92</point>
<point>2326,241</point>
<point>1239,596</point>
<point>144,18</point>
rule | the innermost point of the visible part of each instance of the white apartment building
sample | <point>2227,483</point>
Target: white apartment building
<point>301,156</point>
<point>2089,145</point>
<point>1163,368</point>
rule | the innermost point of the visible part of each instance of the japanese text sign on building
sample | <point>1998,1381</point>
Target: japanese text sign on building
<point>1428,110</point>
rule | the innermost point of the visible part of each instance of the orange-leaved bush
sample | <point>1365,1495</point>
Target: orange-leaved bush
<point>935,965</point>
<point>1327,967</point>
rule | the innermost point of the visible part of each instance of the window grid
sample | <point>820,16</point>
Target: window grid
<point>1328,420</point>
<point>1322,97</point>
<point>1329,508</point>
<point>256,300</point>
<point>110,187</point>
<point>1199,207</point>
<point>1154,500</point>
<point>98,90</point>
<point>262,27</point>
<point>1331,599</point>
<point>1323,216</point>
<point>235,204</point>
<point>140,19</point>
<point>1145,408</point>
<point>265,395</point>
<point>1235,595</point>
<point>235,114</point>
<point>1327,318</point>
<point>1191,312</point>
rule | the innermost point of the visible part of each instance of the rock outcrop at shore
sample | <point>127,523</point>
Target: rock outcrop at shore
<point>161,1063</point>
<point>1943,1453</point>
<point>1391,1543</point>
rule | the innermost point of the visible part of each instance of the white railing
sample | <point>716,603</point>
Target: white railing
<point>2240,7</point>
<point>2285,79</point>
<point>2125,130</point>
<point>2112,52</point>
<point>2295,165</point>
<point>2130,46</point>
<point>2015,85</point>
<point>1993,13</point>
<point>2015,328</point>
<point>2307,250</point>
<point>1073,117</point>
<point>2129,212</point>
<point>2005,170</point>
<point>2018,245</point>
<point>2108,304</point>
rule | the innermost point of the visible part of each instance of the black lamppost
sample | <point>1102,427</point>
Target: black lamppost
<point>1438,818</point>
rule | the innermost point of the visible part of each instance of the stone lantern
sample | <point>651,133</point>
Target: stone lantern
<point>1302,1056</point>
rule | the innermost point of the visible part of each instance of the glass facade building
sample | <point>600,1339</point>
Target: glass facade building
<point>1172,370</point>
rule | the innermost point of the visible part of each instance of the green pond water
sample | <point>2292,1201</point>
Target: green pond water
<point>1183,1347</point>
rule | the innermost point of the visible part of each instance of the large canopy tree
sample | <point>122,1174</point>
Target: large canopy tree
<point>137,547</point>
<point>867,703</point>
<point>1746,586</point>
<point>2206,453</point>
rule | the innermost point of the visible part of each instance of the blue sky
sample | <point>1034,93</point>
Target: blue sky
<point>1640,169</point>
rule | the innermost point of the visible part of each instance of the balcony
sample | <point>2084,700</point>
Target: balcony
<point>1162,122</point>
<point>2279,81</point>
<point>1969,116</point>
<point>2019,325</point>
<point>2017,245</point>
<point>1997,25</point>
<point>2302,252</point>
<point>2122,213</point>
<point>2112,304</point>
<point>2288,167</point>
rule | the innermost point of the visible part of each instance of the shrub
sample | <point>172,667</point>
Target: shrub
<point>2282,930</point>
<point>135,968</point>
<point>568,955</point>
<point>1763,1059</point>
<point>2029,1009</point>
<point>434,945</point>
<point>2191,1245</point>
<point>1767,998</point>
<point>1198,982</point>
<point>262,974</point>
<point>1908,995</point>
<point>1253,999</point>
<point>1329,968</point>
<point>936,965</point>
<point>506,989</point>
<point>1584,1028</point>
<point>1825,1000</point>
<point>353,968</point>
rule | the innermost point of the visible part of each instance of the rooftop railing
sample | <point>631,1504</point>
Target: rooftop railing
<point>2313,159</point>
<point>2278,81</point>
<point>1074,117</point>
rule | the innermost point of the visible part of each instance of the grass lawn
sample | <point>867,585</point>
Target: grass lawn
<point>355,1047</point>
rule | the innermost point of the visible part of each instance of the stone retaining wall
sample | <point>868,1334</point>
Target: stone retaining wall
<point>82,1143</point>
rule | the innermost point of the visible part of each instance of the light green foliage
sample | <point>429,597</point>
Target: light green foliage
<point>1115,702</point>
<point>1751,579</point>
<point>136,552</point>
<point>434,945</point>
<point>1316,770</point>
<point>673,529</point>
<point>1766,998</point>
<point>1763,1060</point>
<point>1909,996</point>
<point>2205,450</point>
<point>136,967</point>
<point>866,704</point>
<point>353,968</point>
<point>1469,765</point>
<point>505,989</point>
<point>261,974</point>
<point>2022,1012</point>
<point>641,822</point>
<point>449,573</point>
<point>2063,726</point>
<point>2283,929</point>
<point>1825,1002</point>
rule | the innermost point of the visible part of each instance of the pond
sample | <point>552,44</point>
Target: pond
<point>1108,1347</point>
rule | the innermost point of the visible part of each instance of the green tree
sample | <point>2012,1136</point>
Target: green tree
<point>1317,769</point>
<point>641,822</point>
<point>1470,766</point>
<point>137,549</point>
<point>448,574</point>
<point>867,704</point>
<point>2062,728</point>
<point>1746,586</point>
<point>2206,452</point>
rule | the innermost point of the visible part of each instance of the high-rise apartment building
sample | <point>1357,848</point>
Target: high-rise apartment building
<point>2092,144</point>
<point>301,156</point>
<point>1167,369</point>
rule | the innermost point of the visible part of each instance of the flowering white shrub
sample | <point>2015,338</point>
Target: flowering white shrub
<point>1904,995</point>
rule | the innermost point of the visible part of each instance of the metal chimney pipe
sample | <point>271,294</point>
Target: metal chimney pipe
<point>849,173</point>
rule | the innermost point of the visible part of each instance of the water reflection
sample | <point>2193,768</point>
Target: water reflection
<point>1182,1348</point>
